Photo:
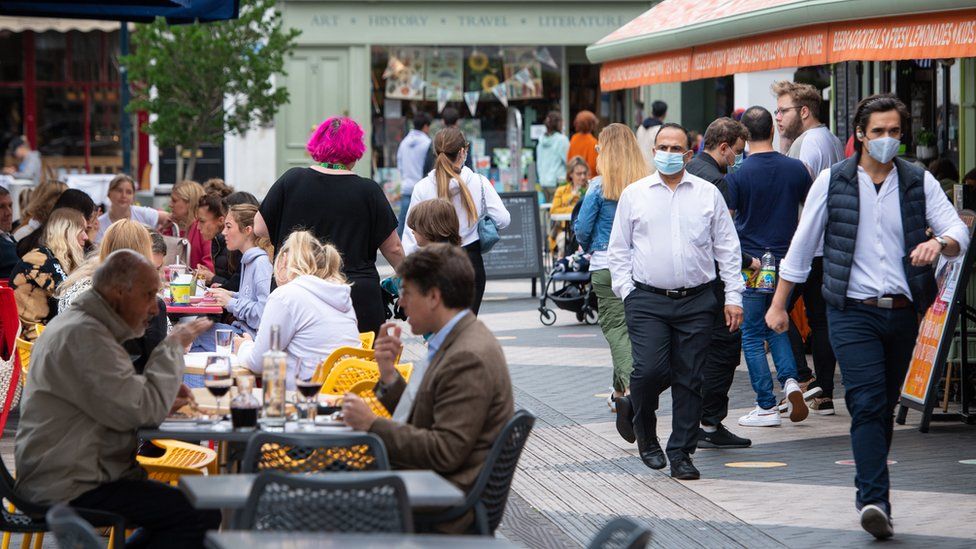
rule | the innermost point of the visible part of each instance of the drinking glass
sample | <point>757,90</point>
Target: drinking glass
<point>217,379</point>
<point>309,389</point>
<point>225,340</point>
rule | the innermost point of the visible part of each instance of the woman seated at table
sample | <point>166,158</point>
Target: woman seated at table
<point>76,200</point>
<point>39,207</point>
<point>565,200</point>
<point>312,308</point>
<point>121,194</point>
<point>121,235</point>
<point>246,304</point>
<point>183,203</point>
<point>39,273</point>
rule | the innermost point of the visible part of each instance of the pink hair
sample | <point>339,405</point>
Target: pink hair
<point>339,139</point>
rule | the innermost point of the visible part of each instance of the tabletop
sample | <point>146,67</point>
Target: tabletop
<point>193,309</point>
<point>197,430</point>
<point>196,364</point>
<point>425,489</point>
<point>318,540</point>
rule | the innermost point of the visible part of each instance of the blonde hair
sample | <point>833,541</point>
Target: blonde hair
<point>574,163</point>
<point>61,237</point>
<point>303,254</point>
<point>448,144</point>
<point>191,192</point>
<point>620,162</point>
<point>124,234</point>
<point>42,201</point>
<point>243,215</point>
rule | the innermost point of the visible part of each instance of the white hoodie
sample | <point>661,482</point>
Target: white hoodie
<point>314,318</point>
<point>426,189</point>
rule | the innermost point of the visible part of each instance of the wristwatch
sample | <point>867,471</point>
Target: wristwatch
<point>942,242</point>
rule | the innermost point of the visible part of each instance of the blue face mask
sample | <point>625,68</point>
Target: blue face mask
<point>883,149</point>
<point>734,167</point>
<point>669,163</point>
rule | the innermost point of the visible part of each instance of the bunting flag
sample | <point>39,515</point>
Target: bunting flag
<point>544,57</point>
<point>443,95</point>
<point>525,77</point>
<point>471,98</point>
<point>394,68</point>
<point>417,82</point>
<point>501,92</point>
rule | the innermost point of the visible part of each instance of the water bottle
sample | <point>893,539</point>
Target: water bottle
<point>767,274</point>
<point>273,382</point>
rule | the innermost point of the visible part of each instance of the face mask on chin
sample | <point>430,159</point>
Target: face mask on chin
<point>669,163</point>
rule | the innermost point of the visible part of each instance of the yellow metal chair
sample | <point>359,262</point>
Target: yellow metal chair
<point>367,339</point>
<point>178,459</point>
<point>365,390</point>
<point>24,350</point>
<point>323,369</point>
<point>351,371</point>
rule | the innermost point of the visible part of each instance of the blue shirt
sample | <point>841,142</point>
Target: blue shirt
<point>766,193</point>
<point>436,340</point>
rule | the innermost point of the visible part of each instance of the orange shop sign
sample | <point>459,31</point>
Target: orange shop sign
<point>938,35</point>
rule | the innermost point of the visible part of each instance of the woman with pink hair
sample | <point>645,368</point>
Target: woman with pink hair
<point>338,207</point>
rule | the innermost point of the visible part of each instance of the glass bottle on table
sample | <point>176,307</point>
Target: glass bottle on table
<point>273,379</point>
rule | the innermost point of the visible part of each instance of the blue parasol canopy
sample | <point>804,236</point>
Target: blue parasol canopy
<point>175,11</point>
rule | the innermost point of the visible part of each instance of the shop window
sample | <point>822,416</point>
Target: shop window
<point>11,53</point>
<point>408,79</point>
<point>86,56</point>
<point>105,116</point>
<point>60,121</point>
<point>50,49</point>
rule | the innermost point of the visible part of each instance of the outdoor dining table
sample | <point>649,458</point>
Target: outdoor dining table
<point>197,430</point>
<point>425,489</point>
<point>318,540</point>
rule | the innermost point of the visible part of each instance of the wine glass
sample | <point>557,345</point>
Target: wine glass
<point>217,379</point>
<point>309,389</point>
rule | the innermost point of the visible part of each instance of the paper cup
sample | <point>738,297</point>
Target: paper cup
<point>181,293</point>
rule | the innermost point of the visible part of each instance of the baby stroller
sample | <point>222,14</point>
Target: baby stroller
<point>570,289</point>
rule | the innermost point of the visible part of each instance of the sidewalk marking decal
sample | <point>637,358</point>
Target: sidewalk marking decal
<point>968,461</point>
<point>755,464</point>
<point>851,462</point>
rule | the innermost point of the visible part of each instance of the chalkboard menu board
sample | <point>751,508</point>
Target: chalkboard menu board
<point>519,252</point>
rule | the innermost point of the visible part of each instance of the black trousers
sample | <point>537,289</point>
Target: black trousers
<point>367,300</point>
<point>165,515</point>
<point>478,262</point>
<point>824,362</point>
<point>724,356</point>
<point>670,340</point>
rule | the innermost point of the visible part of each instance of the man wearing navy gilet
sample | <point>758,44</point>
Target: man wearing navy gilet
<point>873,211</point>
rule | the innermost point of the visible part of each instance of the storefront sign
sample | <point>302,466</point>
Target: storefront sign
<point>936,35</point>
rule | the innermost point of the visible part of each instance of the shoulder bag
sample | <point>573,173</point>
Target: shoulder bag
<point>487,230</point>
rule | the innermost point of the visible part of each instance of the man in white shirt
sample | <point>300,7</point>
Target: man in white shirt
<point>669,231</point>
<point>798,120</point>
<point>878,279</point>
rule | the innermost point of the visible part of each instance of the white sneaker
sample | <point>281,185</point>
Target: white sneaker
<point>760,417</point>
<point>876,522</point>
<point>795,404</point>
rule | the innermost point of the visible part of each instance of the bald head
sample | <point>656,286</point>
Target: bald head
<point>128,282</point>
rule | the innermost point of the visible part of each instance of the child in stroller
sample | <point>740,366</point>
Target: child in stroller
<point>568,285</point>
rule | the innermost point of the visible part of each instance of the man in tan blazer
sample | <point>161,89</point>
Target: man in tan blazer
<point>454,410</point>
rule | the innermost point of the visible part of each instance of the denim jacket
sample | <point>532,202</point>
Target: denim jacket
<point>595,219</point>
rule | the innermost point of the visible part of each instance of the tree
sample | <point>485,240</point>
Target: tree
<point>206,80</point>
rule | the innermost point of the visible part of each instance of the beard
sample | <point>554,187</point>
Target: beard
<point>794,129</point>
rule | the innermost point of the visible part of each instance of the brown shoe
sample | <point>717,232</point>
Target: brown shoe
<point>822,406</point>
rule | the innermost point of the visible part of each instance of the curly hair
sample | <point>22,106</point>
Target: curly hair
<point>339,140</point>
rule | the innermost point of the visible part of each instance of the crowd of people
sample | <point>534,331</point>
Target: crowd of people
<point>302,264</point>
<point>678,240</point>
<point>685,243</point>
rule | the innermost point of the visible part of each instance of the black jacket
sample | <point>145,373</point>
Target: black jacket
<point>705,167</point>
<point>140,348</point>
<point>226,264</point>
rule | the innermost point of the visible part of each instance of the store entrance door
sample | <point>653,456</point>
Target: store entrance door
<point>318,82</point>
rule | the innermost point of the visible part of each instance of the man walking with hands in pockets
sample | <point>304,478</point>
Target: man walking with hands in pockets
<point>873,211</point>
<point>670,230</point>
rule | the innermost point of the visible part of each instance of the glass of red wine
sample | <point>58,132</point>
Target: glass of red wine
<point>217,379</point>
<point>309,389</point>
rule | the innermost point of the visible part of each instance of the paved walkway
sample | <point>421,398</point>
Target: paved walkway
<point>577,472</point>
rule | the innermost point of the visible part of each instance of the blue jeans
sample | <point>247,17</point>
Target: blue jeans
<point>402,217</point>
<point>754,334</point>
<point>873,347</point>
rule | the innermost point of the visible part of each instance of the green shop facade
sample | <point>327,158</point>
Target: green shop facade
<point>380,62</point>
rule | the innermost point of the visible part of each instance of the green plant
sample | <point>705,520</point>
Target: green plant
<point>924,138</point>
<point>203,81</point>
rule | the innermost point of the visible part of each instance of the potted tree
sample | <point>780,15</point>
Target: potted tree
<point>924,145</point>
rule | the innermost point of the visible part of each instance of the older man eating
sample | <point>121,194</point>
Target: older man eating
<point>83,403</point>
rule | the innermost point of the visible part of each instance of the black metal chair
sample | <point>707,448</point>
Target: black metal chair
<point>72,531</point>
<point>621,533</point>
<point>489,494</point>
<point>309,453</point>
<point>291,503</point>
<point>29,517</point>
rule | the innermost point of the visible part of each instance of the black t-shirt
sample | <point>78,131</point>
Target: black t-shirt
<point>350,212</point>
